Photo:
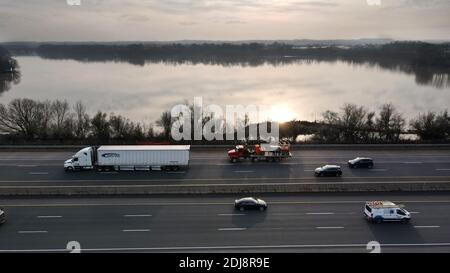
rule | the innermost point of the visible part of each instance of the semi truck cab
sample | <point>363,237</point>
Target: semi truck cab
<point>239,152</point>
<point>83,159</point>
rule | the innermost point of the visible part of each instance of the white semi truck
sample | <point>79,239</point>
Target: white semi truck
<point>130,158</point>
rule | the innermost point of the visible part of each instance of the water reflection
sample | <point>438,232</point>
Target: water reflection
<point>7,79</point>
<point>304,87</point>
<point>424,75</point>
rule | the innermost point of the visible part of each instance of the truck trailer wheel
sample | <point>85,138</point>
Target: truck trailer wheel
<point>69,169</point>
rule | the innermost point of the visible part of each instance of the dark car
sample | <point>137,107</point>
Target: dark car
<point>250,203</point>
<point>2,216</point>
<point>328,170</point>
<point>361,162</point>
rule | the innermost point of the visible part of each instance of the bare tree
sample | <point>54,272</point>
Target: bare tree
<point>352,122</point>
<point>81,121</point>
<point>121,127</point>
<point>21,117</point>
<point>62,120</point>
<point>432,126</point>
<point>165,121</point>
<point>101,127</point>
<point>390,123</point>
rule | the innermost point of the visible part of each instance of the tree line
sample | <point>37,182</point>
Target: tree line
<point>356,124</point>
<point>57,122</point>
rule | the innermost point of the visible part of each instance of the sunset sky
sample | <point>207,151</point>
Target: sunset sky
<point>150,20</point>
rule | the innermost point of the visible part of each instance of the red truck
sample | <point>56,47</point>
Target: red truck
<point>260,152</point>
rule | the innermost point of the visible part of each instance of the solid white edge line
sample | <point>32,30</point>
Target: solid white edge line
<point>329,227</point>
<point>31,231</point>
<point>231,214</point>
<point>231,229</point>
<point>319,213</point>
<point>136,230</point>
<point>427,226</point>
<point>137,215</point>
<point>230,247</point>
<point>49,216</point>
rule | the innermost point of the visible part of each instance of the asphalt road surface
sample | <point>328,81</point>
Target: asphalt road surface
<point>292,223</point>
<point>213,167</point>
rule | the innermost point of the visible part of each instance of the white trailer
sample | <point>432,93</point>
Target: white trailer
<point>130,157</point>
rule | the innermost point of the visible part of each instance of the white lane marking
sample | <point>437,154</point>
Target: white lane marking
<point>231,214</point>
<point>136,230</point>
<point>378,170</point>
<point>38,173</point>
<point>137,215</point>
<point>178,248</point>
<point>223,164</point>
<point>320,213</point>
<point>26,166</point>
<point>177,172</point>
<point>49,216</point>
<point>308,170</point>
<point>413,162</point>
<point>243,171</point>
<point>109,172</point>
<point>329,227</point>
<point>414,212</point>
<point>442,169</point>
<point>32,231</point>
<point>231,229</point>
<point>426,226</point>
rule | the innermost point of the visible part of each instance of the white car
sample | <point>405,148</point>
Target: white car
<point>380,211</point>
<point>2,216</point>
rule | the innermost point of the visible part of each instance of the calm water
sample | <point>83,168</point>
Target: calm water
<point>299,90</point>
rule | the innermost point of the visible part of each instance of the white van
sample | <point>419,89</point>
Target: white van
<point>379,211</point>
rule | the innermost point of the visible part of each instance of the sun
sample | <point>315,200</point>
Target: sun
<point>281,113</point>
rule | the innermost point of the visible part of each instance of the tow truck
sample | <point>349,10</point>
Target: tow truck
<point>260,152</point>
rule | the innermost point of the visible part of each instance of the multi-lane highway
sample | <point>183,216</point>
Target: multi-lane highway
<point>213,167</point>
<point>293,223</point>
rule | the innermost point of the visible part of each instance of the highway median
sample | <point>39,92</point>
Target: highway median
<point>240,188</point>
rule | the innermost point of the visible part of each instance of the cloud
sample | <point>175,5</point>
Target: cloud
<point>217,19</point>
<point>136,17</point>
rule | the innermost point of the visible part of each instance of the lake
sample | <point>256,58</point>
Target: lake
<point>301,90</point>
